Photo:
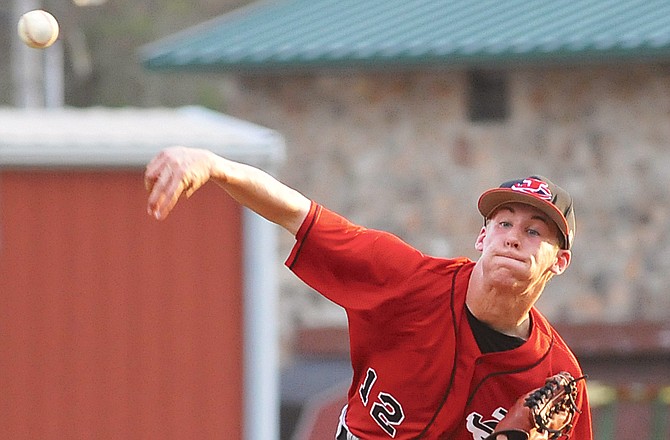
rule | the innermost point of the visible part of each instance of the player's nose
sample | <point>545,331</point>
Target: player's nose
<point>512,239</point>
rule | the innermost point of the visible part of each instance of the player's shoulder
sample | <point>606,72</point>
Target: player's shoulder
<point>441,265</point>
<point>562,353</point>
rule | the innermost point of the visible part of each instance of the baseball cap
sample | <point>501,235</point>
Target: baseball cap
<point>537,191</point>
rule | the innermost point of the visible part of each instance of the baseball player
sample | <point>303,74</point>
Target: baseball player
<point>441,348</point>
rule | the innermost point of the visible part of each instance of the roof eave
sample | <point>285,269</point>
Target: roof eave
<point>451,61</point>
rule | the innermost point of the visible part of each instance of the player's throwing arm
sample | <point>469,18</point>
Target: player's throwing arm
<point>181,171</point>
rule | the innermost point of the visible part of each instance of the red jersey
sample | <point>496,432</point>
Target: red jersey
<point>417,369</point>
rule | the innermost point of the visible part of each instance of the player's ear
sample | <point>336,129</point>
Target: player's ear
<point>479,243</point>
<point>562,262</point>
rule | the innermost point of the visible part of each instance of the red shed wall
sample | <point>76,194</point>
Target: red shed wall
<point>114,325</point>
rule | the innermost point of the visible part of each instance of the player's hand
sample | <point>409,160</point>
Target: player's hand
<point>526,434</point>
<point>546,412</point>
<point>172,173</point>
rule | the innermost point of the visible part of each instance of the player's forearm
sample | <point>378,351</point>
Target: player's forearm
<point>262,193</point>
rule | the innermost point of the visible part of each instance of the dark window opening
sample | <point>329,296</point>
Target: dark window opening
<point>487,99</point>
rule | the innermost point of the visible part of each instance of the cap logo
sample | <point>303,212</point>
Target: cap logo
<point>534,187</point>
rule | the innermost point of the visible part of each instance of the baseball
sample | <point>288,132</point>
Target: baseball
<point>38,29</point>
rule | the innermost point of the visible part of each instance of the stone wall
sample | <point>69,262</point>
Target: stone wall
<point>396,151</point>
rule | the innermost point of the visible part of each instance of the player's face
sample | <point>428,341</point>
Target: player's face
<point>520,244</point>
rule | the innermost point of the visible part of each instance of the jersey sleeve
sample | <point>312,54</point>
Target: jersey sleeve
<point>353,266</point>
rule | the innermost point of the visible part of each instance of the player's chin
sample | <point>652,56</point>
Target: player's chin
<point>505,279</point>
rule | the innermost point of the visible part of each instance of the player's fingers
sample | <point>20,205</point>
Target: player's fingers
<point>152,171</point>
<point>149,181</point>
<point>165,192</point>
<point>156,193</point>
<point>169,201</point>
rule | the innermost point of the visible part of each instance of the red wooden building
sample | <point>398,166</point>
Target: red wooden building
<point>114,325</point>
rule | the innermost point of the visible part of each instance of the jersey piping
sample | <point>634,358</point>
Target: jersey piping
<point>445,397</point>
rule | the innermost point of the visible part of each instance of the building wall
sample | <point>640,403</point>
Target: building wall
<point>113,325</point>
<point>395,150</point>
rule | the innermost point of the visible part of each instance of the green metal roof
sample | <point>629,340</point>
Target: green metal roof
<point>304,34</point>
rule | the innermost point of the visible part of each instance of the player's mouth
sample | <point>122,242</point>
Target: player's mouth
<point>511,257</point>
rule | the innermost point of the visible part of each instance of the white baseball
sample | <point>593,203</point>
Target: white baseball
<point>38,29</point>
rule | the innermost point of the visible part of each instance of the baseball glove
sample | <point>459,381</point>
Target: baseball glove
<point>547,411</point>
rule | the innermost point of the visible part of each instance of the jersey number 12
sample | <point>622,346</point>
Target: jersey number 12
<point>386,410</point>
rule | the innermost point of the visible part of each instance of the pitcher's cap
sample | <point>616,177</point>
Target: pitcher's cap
<point>537,191</point>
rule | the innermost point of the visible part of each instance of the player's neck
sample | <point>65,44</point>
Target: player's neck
<point>519,327</point>
<point>504,311</point>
